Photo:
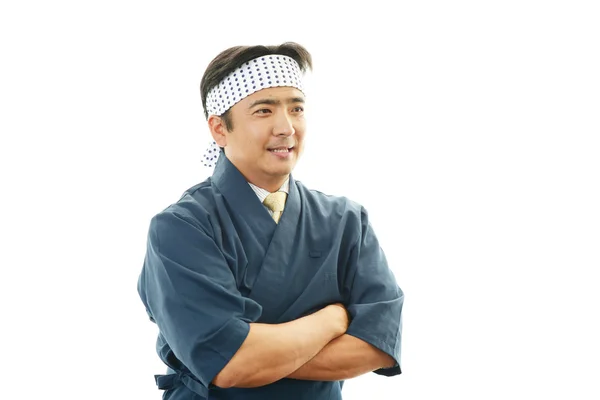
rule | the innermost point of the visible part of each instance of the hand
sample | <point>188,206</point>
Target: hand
<point>341,316</point>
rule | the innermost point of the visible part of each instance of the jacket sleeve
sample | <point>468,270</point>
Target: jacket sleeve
<point>191,294</point>
<point>375,300</point>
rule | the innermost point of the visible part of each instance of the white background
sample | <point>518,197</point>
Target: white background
<point>468,129</point>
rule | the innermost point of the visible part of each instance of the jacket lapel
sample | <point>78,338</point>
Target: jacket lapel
<point>274,274</point>
<point>268,246</point>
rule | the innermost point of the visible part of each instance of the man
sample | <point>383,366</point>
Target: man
<point>262,288</point>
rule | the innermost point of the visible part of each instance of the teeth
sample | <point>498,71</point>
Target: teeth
<point>280,151</point>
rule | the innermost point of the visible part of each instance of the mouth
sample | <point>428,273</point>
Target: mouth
<point>282,153</point>
<point>281,150</point>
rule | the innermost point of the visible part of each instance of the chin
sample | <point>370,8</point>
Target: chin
<point>281,170</point>
<point>279,167</point>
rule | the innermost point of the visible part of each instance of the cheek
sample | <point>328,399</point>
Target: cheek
<point>259,131</point>
<point>253,136</point>
<point>257,143</point>
<point>300,123</point>
<point>300,134</point>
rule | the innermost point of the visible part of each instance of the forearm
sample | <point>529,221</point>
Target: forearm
<point>271,352</point>
<point>343,358</point>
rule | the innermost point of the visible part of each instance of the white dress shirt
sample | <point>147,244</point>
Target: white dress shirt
<point>262,193</point>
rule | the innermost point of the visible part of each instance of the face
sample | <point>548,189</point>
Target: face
<point>267,137</point>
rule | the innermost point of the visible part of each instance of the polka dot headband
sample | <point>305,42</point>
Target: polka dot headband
<point>252,76</point>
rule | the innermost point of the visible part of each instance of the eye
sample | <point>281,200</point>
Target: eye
<point>298,109</point>
<point>262,111</point>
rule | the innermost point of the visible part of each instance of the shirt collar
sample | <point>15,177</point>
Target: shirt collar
<point>262,193</point>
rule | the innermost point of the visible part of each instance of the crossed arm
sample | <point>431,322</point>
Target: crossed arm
<point>315,347</point>
<point>343,358</point>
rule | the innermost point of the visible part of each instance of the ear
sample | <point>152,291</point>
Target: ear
<point>218,130</point>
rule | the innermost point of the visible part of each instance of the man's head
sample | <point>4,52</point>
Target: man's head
<point>262,130</point>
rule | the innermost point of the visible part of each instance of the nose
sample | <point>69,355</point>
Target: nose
<point>283,125</point>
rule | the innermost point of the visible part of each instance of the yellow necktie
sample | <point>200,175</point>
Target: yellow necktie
<point>276,202</point>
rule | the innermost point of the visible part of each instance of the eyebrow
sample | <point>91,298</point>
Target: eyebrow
<point>273,102</point>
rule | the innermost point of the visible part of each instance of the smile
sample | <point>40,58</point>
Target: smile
<point>282,153</point>
<point>281,150</point>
